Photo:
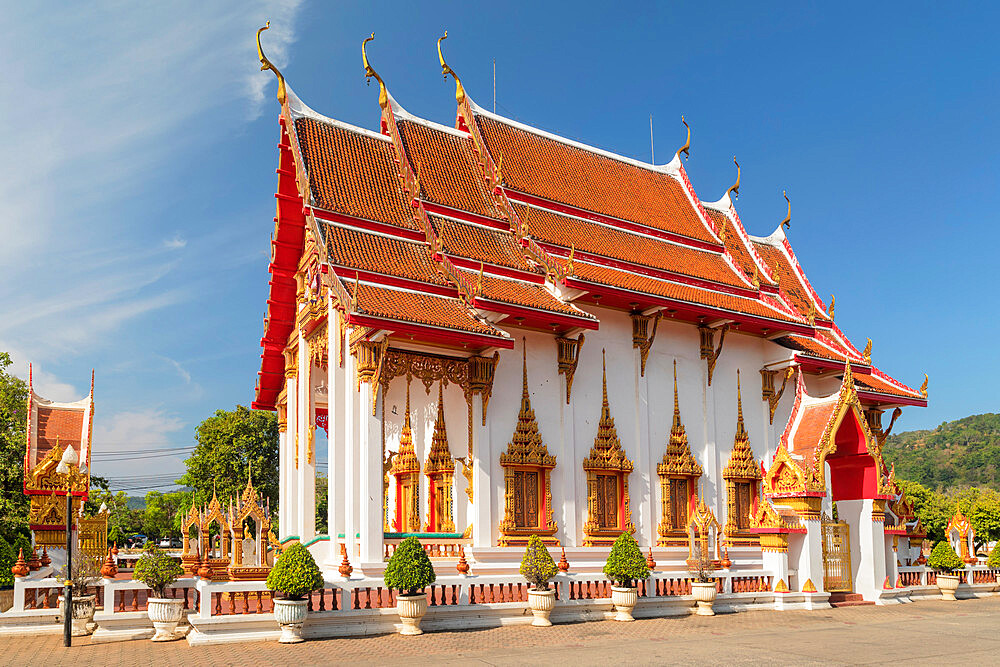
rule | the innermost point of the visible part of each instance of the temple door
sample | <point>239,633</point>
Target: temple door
<point>525,498</point>
<point>607,501</point>
<point>679,498</point>
<point>836,557</point>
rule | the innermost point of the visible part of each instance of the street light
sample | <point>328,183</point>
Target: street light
<point>69,459</point>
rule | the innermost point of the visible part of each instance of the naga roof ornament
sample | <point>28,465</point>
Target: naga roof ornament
<point>686,148</point>
<point>446,70</point>
<point>383,95</point>
<point>734,189</point>
<point>267,64</point>
<point>787,222</point>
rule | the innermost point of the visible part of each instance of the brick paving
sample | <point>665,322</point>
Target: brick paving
<point>923,632</point>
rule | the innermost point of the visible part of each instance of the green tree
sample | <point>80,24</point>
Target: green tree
<point>231,444</point>
<point>982,508</point>
<point>161,517</point>
<point>322,504</point>
<point>932,508</point>
<point>13,420</point>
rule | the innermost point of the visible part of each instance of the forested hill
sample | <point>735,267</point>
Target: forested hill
<point>953,456</point>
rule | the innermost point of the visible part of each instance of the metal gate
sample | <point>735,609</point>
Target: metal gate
<point>837,557</point>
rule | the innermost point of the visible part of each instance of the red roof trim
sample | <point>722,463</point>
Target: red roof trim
<point>440,333</point>
<point>535,313</point>
<point>464,216</point>
<point>369,225</point>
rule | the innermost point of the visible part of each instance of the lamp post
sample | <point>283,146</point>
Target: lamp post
<point>69,459</point>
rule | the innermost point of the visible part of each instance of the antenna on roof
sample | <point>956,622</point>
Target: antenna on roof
<point>652,153</point>
<point>494,85</point>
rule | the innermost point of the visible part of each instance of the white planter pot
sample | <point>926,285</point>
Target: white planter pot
<point>411,608</point>
<point>624,599</point>
<point>165,613</point>
<point>541,603</point>
<point>948,583</point>
<point>83,613</point>
<point>290,615</point>
<point>704,594</point>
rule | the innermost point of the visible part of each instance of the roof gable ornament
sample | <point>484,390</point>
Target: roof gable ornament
<point>686,148</point>
<point>867,352</point>
<point>833,306</point>
<point>734,189</point>
<point>267,64</point>
<point>787,222</point>
<point>383,95</point>
<point>445,71</point>
<point>923,387</point>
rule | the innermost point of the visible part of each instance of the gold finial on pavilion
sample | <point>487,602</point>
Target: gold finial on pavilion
<point>787,222</point>
<point>383,96</point>
<point>677,404</point>
<point>267,64</point>
<point>354,297</point>
<point>479,280</point>
<point>923,387</point>
<point>524,367</point>
<point>833,306</point>
<point>445,71</point>
<point>734,189</point>
<point>867,352</point>
<point>569,264</point>
<point>686,148</point>
<point>740,428</point>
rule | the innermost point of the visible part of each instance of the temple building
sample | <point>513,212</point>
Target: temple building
<point>507,333</point>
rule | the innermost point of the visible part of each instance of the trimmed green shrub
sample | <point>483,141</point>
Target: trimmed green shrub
<point>626,563</point>
<point>994,559</point>
<point>409,569</point>
<point>943,558</point>
<point>537,565</point>
<point>157,570</point>
<point>296,574</point>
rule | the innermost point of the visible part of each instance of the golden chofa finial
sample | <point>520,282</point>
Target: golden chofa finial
<point>383,96</point>
<point>267,64</point>
<point>787,222</point>
<point>734,190</point>
<point>445,71</point>
<point>686,148</point>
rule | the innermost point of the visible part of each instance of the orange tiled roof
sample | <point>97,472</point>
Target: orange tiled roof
<point>525,294</point>
<point>591,181</point>
<point>875,382</point>
<point>811,427</point>
<point>419,308</point>
<point>356,249</point>
<point>644,284</point>
<point>492,246</point>
<point>58,424</point>
<point>591,237</point>
<point>737,250</point>
<point>447,167</point>
<point>352,173</point>
<point>814,347</point>
<point>788,280</point>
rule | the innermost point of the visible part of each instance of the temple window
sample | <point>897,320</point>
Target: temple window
<point>405,467</point>
<point>607,468</point>
<point>440,471</point>
<point>742,475</point>
<point>679,473</point>
<point>527,465</point>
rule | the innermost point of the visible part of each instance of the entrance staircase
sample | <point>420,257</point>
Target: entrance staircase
<point>847,600</point>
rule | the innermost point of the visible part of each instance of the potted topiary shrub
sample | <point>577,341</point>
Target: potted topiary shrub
<point>944,560</point>
<point>625,566</point>
<point>84,574</point>
<point>409,571</point>
<point>158,570</point>
<point>993,562</point>
<point>538,568</point>
<point>293,577</point>
<point>704,589</point>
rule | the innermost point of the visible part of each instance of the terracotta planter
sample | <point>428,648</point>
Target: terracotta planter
<point>411,608</point>
<point>165,613</point>
<point>83,613</point>
<point>624,599</point>
<point>290,615</point>
<point>704,594</point>
<point>541,603</point>
<point>948,583</point>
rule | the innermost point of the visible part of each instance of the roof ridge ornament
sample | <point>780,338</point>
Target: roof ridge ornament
<point>383,95</point>
<point>734,189</point>
<point>267,64</point>
<point>787,222</point>
<point>446,70</point>
<point>686,148</point>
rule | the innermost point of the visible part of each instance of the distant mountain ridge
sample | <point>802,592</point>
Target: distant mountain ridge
<point>953,456</point>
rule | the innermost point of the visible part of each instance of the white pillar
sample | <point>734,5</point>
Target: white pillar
<point>306,488</point>
<point>640,486</point>
<point>567,467</point>
<point>350,454</point>
<point>335,441</point>
<point>290,493</point>
<point>867,547</point>
<point>369,464</point>
<point>284,488</point>
<point>483,520</point>
<point>810,565</point>
<point>713,486</point>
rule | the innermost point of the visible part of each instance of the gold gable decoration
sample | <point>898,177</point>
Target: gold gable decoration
<point>678,466</point>
<point>527,452</point>
<point>606,456</point>
<point>440,470</point>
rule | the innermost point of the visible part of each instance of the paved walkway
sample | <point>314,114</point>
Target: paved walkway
<point>925,632</point>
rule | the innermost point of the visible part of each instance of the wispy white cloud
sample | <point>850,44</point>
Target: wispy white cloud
<point>176,243</point>
<point>117,437</point>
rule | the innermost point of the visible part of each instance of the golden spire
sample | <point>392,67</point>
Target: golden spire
<point>445,71</point>
<point>678,460</point>
<point>526,445</point>
<point>604,382</point>
<point>406,460</point>
<point>383,96</point>
<point>734,189</point>
<point>439,457</point>
<point>741,464</point>
<point>787,222</point>
<point>607,452</point>
<point>525,400</point>
<point>740,428</point>
<point>686,148</point>
<point>267,64</point>
<point>677,404</point>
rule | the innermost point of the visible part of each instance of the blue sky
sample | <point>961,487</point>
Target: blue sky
<point>140,143</point>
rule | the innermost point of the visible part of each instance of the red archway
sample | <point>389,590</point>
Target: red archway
<point>853,471</point>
